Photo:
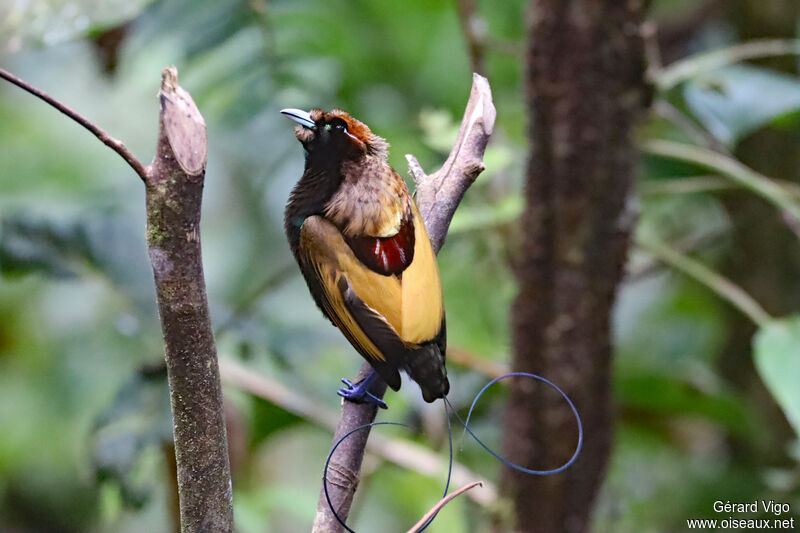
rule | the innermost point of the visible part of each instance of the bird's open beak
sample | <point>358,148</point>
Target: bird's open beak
<point>299,116</point>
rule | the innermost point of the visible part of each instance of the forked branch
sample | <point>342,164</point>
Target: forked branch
<point>438,196</point>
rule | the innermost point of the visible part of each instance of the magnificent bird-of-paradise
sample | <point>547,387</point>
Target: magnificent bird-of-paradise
<point>365,254</point>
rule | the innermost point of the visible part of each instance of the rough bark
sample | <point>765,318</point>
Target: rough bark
<point>584,89</point>
<point>437,196</point>
<point>174,192</point>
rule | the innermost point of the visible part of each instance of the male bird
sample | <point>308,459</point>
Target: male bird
<point>365,254</point>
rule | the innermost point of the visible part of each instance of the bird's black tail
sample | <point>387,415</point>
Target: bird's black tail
<point>426,366</point>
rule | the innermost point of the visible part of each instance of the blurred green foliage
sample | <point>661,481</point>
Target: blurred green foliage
<point>82,412</point>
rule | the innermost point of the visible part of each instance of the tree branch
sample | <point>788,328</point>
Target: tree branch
<point>98,132</point>
<point>438,196</point>
<point>174,191</point>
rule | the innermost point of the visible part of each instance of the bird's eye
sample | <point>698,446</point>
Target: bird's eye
<point>339,124</point>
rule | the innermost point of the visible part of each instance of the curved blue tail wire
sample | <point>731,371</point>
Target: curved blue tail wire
<point>449,408</point>
<point>506,461</point>
<point>328,462</point>
<point>449,467</point>
<point>365,426</point>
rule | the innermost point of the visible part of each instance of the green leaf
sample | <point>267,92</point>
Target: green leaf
<point>734,101</point>
<point>96,243</point>
<point>268,419</point>
<point>657,394</point>
<point>61,250</point>
<point>439,129</point>
<point>138,419</point>
<point>777,359</point>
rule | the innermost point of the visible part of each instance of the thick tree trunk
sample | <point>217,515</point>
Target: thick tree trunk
<point>585,90</point>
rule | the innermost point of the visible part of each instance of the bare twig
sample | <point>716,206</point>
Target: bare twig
<point>275,392</point>
<point>719,284</point>
<point>444,501</point>
<point>652,51</point>
<point>729,167</point>
<point>687,68</point>
<point>486,367</point>
<point>98,132</point>
<point>437,195</point>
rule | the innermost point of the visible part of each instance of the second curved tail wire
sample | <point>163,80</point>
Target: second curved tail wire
<point>449,408</point>
<point>465,424</point>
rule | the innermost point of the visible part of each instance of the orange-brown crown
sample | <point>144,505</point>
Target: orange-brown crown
<point>355,127</point>
<point>360,134</point>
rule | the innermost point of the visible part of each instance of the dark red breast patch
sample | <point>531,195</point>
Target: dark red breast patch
<point>386,255</point>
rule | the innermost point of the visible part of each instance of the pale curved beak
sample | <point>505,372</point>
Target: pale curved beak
<point>299,116</point>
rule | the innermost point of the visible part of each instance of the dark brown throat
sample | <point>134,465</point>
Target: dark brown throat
<point>308,198</point>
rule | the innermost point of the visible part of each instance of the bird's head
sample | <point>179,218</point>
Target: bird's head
<point>335,134</point>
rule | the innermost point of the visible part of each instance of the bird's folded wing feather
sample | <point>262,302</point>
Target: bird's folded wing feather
<point>409,305</point>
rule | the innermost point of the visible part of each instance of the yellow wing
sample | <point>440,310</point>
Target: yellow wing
<point>409,305</point>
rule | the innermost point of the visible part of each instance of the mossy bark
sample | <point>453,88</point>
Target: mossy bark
<point>174,192</point>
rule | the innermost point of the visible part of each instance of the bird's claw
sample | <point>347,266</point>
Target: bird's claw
<point>359,394</point>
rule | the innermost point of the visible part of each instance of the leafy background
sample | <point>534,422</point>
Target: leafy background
<point>707,339</point>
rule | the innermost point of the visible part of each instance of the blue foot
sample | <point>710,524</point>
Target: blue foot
<point>360,393</point>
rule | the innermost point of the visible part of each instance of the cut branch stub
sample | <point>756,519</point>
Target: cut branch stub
<point>174,187</point>
<point>185,126</point>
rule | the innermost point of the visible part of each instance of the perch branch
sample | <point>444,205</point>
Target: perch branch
<point>444,501</point>
<point>437,195</point>
<point>98,132</point>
